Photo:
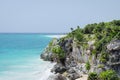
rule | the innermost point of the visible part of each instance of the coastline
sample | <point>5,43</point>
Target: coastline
<point>56,36</point>
<point>82,54</point>
<point>47,73</point>
<point>50,75</point>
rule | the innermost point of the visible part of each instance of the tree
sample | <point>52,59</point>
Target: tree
<point>71,29</point>
<point>89,28</point>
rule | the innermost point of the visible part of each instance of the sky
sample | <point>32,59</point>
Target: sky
<point>54,16</point>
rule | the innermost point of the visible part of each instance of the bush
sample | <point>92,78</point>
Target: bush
<point>108,75</point>
<point>100,66</point>
<point>89,28</point>
<point>87,65</point>
<point>103,57</point>
<point>58,51</point>
<point>92,76</point>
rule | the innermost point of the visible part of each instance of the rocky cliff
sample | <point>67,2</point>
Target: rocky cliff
<point>73,64</point>
<point>100,51</point>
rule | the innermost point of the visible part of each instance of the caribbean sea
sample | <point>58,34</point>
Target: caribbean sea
<point>20,56</point>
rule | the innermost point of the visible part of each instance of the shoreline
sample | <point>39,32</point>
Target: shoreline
<point>82,53</point>
<point>56,36</point>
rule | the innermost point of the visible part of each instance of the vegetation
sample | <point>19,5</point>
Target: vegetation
<point>105,75</point>
<point>104,57</point>
<point>92,76</point>
<point>89,28</point>
<point>108,75</point>
<point>100,66</point>
<point>102,33</point>
<point>58,51</point>
<point>78,34</point>
<point>87,65</point>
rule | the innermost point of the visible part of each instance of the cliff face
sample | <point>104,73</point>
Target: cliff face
<point>96,48</point>
<point>113,49</point>
<point>76,57</point>
<point>47,54</point>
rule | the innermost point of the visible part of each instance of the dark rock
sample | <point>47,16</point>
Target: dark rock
<point>66,45</point>
<point>56,77</point>
<point>47,54</point>
<point>71,70</point>
<point>74,76</point>
<point>59,68</point>
<point>73,73</point>
<point>113,49</point>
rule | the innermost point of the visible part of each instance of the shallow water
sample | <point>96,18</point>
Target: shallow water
<point>20,57</point>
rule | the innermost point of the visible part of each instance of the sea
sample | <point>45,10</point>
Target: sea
<point>20,56</point>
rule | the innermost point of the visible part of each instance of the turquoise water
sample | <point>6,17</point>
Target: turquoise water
<point>20,56</point>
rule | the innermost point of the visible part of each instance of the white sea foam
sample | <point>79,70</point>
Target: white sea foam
<point>36,71</point>
<point>55,36</point>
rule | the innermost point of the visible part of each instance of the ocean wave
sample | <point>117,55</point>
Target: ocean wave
<point>55,36</point>
<point>39,74</point>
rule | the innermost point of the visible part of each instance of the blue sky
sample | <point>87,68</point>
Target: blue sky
<point>54,16</point>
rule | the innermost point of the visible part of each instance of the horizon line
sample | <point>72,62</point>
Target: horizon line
<point>31,33</point>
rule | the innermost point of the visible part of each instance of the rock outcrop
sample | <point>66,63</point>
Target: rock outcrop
<point>114,55</point>
<point>56,77</point>
<point>76,57</point>
<point>47,54</point>
<point>73,55</point>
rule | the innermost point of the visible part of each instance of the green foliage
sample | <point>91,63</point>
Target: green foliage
<point>78,34</point>
<point>51,44</point>
<point>89,28</point>
<point>94,52</point>
<point>104,33</point>
<point>115,23</point>
<point>100,66</point>
<point>99,27</point>
<point>92,76</point>
<point>87,65</point>
<point>58,51</point>
<point>104,57</point>
<point>108,75</point>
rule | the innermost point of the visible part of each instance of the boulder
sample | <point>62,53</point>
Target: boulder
<point>114,45</point>
<point>56,77</point>
<point>58,68</point>
<point>114,56</point>
<point>73,76</point>
<point>73,73</point>
<point>47,54</point>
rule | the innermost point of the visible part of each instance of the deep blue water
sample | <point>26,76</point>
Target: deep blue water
<point>20,56</point>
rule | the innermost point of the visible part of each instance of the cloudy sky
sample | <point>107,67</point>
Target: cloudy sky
<point>54,16</point>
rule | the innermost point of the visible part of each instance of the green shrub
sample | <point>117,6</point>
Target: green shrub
<point>89,28</point>
<point>100,66</point>
<point>92,76</point>
<point>103,57</point>
<point>108,75</point>
<point>58,51</point>
<point>87,65</point>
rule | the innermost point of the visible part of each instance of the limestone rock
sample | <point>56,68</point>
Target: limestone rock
<point>59,68</point>
<point>114,45</point>
<point>56,77</point>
